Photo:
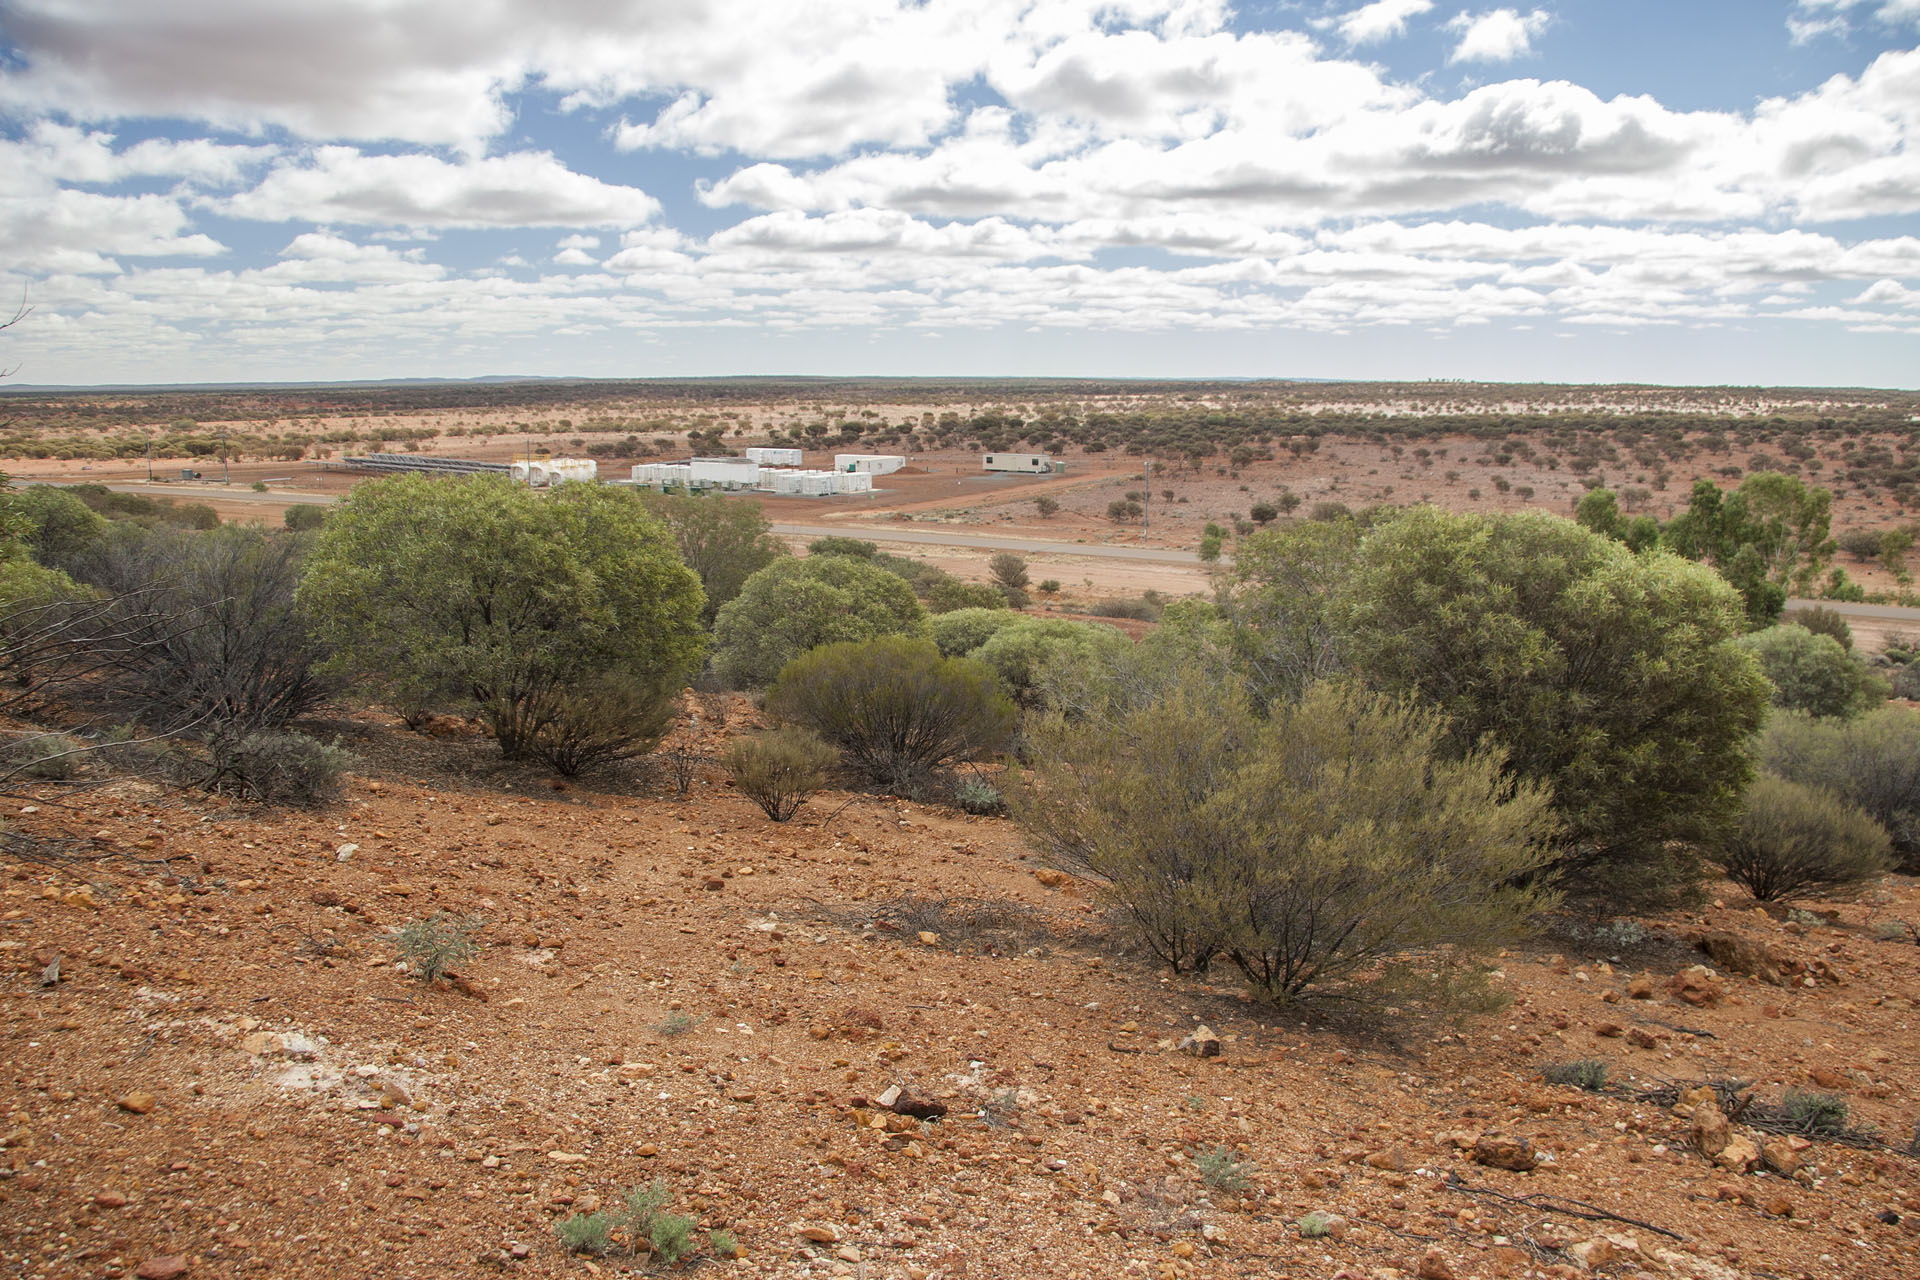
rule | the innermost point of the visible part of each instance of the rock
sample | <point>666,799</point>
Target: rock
<point>1779,1205</point>
<point>1698,986</point>
<point>927,938</point>
<point>1710,1133</point>
<point>1434,1266</point>
<point>713,884</point>
<point>1051,878</point>
<point>139,1102</point>
<point>1499,1151</point>
<point>1609,1030</point>
<point>1828,1077</point>
<point>1641,988</point>
<point>345,852</point>
<point>1736,954</point>
<point>820,1235</point>
<point>1392,1158</point>
<point>918,1108</point>
<point>1591,1254</point>
<point>1201,1043</point>
<point>1641,1038</point>
<point>1781,1157</point>
<point>166,1267</point>
<point>110,1199</point>
<point>1739,1155</point>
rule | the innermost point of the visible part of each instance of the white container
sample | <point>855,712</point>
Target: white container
<point>726,473</point>
<point>877,464</point>
<point>1025,463</point>
<point>769,457</point>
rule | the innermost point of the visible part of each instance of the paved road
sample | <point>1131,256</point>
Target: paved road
<point>990,542</point>
<point>226,493</point>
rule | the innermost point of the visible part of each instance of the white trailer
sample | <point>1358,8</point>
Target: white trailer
<point>726,473</point>
<point>770,457</point>
<point>1025,463</point>
<point>873,464</point>
<point>546,471</point>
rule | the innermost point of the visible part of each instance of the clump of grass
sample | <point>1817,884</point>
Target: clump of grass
<point>722,1244</point>
<point>1219,1170</point>
<point>585,1232</point>
<point>643,1218</point>
<point>980,798</point>
<point>1315,1226</point>
<point>1814,1113</point>
<point>435,946</point>
<point>675,1024</point>
<point>1587,1073</point>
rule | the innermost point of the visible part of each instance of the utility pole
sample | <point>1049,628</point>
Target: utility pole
<point>225,476</point>
<point>1146,500</point>
<point>149,457</point>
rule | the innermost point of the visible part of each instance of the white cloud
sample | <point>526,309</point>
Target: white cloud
<point>1380,20</point>
<point>1499,35</point>
<point>1832,17</point>
<point>525,188</point>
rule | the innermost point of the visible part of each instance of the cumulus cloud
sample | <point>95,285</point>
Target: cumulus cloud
<point>1380,20</point>
<point>1499,35</point>
<point>1814,18</point>
<point>345,185</point>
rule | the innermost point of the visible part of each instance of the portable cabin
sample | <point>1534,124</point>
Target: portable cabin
<point>873,464</point>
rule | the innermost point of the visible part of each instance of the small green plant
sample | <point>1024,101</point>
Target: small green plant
<point>1049,586</point>
<point>1587,1073</point>
<point>977,797</point>
<point>44,757</point>
<point>1814,1113</point>
<point>1219,1170</point>
<point>676,1023</point>
<point>780,768</point>
<point>1315,1226</point>
<point>722,1244</point>
<point>435,946</point>
<point>259,486</point>
<point>585,1232</point>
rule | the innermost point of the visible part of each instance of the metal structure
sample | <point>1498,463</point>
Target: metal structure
<point>407,463</point>
<point>876,464</point>
<point>1024,463</point>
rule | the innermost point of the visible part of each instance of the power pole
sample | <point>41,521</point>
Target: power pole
<point>1146,500</point>
<point>225,476</point>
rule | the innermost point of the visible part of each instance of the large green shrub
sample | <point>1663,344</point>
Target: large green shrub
<point>1794,840</point>
<point>485,593</point>
<point>58,527</point>
<point>1335,836</point>
<point>962,631</point>
<point>1873,762</point>
<point>1024,654</point>
<point>896,709</point>
<point>1812,672</point>
<point>1610,678</point>
<point>795,605</point>
<point>725,540</point>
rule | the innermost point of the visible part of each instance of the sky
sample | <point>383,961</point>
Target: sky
<point>1659,191</point>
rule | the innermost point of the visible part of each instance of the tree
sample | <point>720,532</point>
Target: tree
<point>482,591</point>
<point>1263,513</point>
<point>894,706</point>
<point>723,540</point>
<point>1047,507</point>
<point>1815,673</point>
<point>1334,837</point>
<point>1610,678</point>
<point>795,605</point>
<point>1283,598</point>
<point>1009,571</point>
<point>1768,537</point>
<point>961,631</point>
<point>1022,654</point>
<point>58,528</point>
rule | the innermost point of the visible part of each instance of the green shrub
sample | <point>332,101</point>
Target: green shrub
<point>858,548</point>
<point>1822,1114</point>
<point>44,757</point>
<point>277,768</point>
<point>1822,621</point>
<point>642,1216</point>
<point>1794,840</point>
<point>1327,844</point>
<point>1588,1073</point>
<point>1873,762</point>
<point>1315,1226</point>
<point>435,946</point>
<point>304,516</point>
<point>795,605</point>
<point>1813,673</point>
<point>894,706</point>
<point>1023,654</point>
<point>977,797</point>
<point>779,769</point>
<point>948,593</point>
<point>1219,1170</point>
<point>1140,609</point>
<point>586,1232</point>
<point>961,631</point>
<point>602,719</point>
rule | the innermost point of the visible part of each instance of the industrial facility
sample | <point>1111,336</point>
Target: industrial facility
<point>1023,463</point>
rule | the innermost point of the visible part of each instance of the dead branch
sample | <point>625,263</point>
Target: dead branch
<point>1557,1204</point>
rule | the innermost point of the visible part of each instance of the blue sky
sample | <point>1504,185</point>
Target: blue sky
<point>1693,191</point>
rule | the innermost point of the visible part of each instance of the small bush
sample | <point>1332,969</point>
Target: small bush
<point>1588,1073</point>
<point>779,769</point>
<point>961,631</point>
<point>1315,1225</point>
<point>1140,610</point>
<point>43,757</point>
<point>858,548</point>
<point>435,946</point>
<point>894,706</point>
<point>278,768</point>
<point>722,1244</point>
<point>585,1232</point>
<point>303,516</point>
<point>674,1024</point>
<point>1794,840</point>
<point>1873,762</point>
<point>1813,673</point>
<point>1219,1170</point>
<point>977,797</point>
<point>1814,1113</point>
<point>602,720</point>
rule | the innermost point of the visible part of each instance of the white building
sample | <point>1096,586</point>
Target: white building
<point>726,473</point>
<point>874,464</point>
<point>1025,463</point>
<point>769,457</point>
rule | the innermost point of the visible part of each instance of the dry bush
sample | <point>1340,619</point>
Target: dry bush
<point>779,769</point>
<point>1794,840</point>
